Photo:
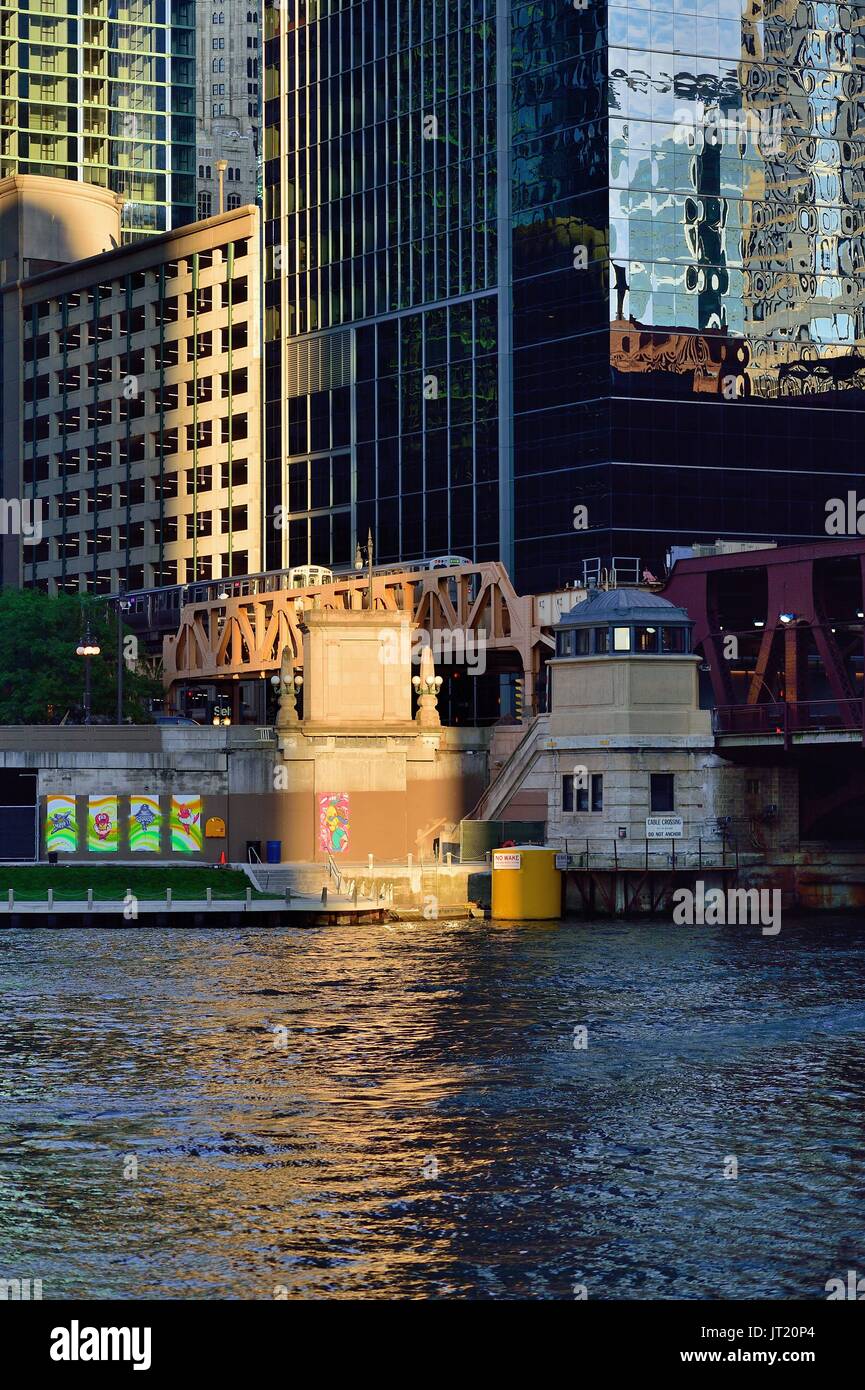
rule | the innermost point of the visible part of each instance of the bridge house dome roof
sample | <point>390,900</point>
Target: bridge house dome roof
<point>620,621</point>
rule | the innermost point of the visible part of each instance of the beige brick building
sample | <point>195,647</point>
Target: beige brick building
<point>131,400</point>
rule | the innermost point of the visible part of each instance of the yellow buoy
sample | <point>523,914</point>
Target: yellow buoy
<point>526,884</point>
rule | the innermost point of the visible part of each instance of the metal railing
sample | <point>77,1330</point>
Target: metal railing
<point>651,855</point>
<point>788,717</point>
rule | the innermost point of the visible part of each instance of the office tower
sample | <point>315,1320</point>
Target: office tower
<point>228,123</point>
<point>381,320</point>
<point>565,283</point>
<point>103,91</point>
<point>130,394</point>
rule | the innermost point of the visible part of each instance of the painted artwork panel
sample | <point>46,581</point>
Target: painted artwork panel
<point>333,822</point>
<point>103,830</point>
<point>145,823</point>
<point>61,824</point>
<point>186,837</point>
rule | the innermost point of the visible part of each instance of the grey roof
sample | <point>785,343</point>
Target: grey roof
<point>623,606</point>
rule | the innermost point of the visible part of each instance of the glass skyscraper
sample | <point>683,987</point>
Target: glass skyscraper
<point>103,91</point>
<point>554,281</point>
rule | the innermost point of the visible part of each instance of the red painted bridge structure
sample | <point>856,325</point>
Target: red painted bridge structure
<point>781,634</point>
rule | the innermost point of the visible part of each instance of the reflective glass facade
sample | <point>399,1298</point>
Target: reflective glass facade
<point>627,278</point>
<point>381,320</point>
<point>104,91</point>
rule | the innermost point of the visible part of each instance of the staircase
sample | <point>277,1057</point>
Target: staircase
<point>507,781</point>
<point>303,881</point>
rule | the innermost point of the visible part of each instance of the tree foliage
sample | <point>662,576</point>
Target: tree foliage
<point>42,678</point>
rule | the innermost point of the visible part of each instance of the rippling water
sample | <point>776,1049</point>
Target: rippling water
<point>426,1126</point>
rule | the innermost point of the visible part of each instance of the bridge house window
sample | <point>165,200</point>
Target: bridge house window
<point>661,793</point>
<point>583,799</point>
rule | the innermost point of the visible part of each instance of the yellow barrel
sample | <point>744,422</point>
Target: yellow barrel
<point>527,885</point>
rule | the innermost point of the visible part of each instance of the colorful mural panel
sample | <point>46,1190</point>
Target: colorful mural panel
<point>333,822</point>
<point>145,823</point>
<point>186,837</point>
<point>61,824</point>
<point>103,831</point>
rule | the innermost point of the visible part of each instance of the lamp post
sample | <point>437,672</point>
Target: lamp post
<point>427,687</point>
<point>288,688</point>
<point>221,166</point>
<point>358,560</point>
<point>122,606</point>
<point>86,649</point>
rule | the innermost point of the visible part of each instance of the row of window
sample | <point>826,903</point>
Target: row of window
<point>588,641</point>
<point>585,793</point>
<point>198,479</point>
<point>197,392</point>
<point>107,495</point>
<point>198,435</point>
<point>138,280</point>
<point>84,579</point>
<point>205,171</point>
<point>103,537</point>
<point>205,204</point>
<point>115,364</point>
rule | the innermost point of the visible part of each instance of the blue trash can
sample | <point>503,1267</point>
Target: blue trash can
<point>274,851</point>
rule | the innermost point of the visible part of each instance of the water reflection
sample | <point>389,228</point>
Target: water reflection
<point>444,1049</point>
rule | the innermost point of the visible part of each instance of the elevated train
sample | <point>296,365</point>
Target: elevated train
<point>157,611</point>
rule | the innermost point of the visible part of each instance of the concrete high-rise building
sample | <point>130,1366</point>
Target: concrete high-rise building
<point>103,91</point>
<point>227,108</point>
<point>560,282</point>
<point>130,394</point>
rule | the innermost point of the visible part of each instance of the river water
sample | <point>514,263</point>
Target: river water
<point>402,1111</point>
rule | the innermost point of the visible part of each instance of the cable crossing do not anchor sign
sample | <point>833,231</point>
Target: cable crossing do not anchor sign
<point>664,828</point>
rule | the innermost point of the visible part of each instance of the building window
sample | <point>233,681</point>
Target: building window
<point>661,799</point>
<point>647,639</point>
<point>621,639</point>
<point>602,639</point>
<point>675,639</point>
<point>233,201</point>
<point>205,205</point>
<point>583,799</point>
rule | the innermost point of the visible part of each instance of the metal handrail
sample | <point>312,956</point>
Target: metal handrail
<point>334,872</point>
<point>634,854</point>
<point>790,716</point>
<point>509,766</point>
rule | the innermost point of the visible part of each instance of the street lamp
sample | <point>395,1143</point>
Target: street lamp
<point>427,687</point>
<point>358,559</point>
<point>86,649</point>
<point>123,605</point>
<point>288,689</point>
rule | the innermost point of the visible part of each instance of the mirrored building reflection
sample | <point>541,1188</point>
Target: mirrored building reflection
<point>528,257</point>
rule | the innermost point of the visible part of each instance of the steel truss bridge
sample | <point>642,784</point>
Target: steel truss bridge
<point>245,635</point>
<point>781,632</point>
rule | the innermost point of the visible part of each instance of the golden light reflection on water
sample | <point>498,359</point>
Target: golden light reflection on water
<point>423,1126</point>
